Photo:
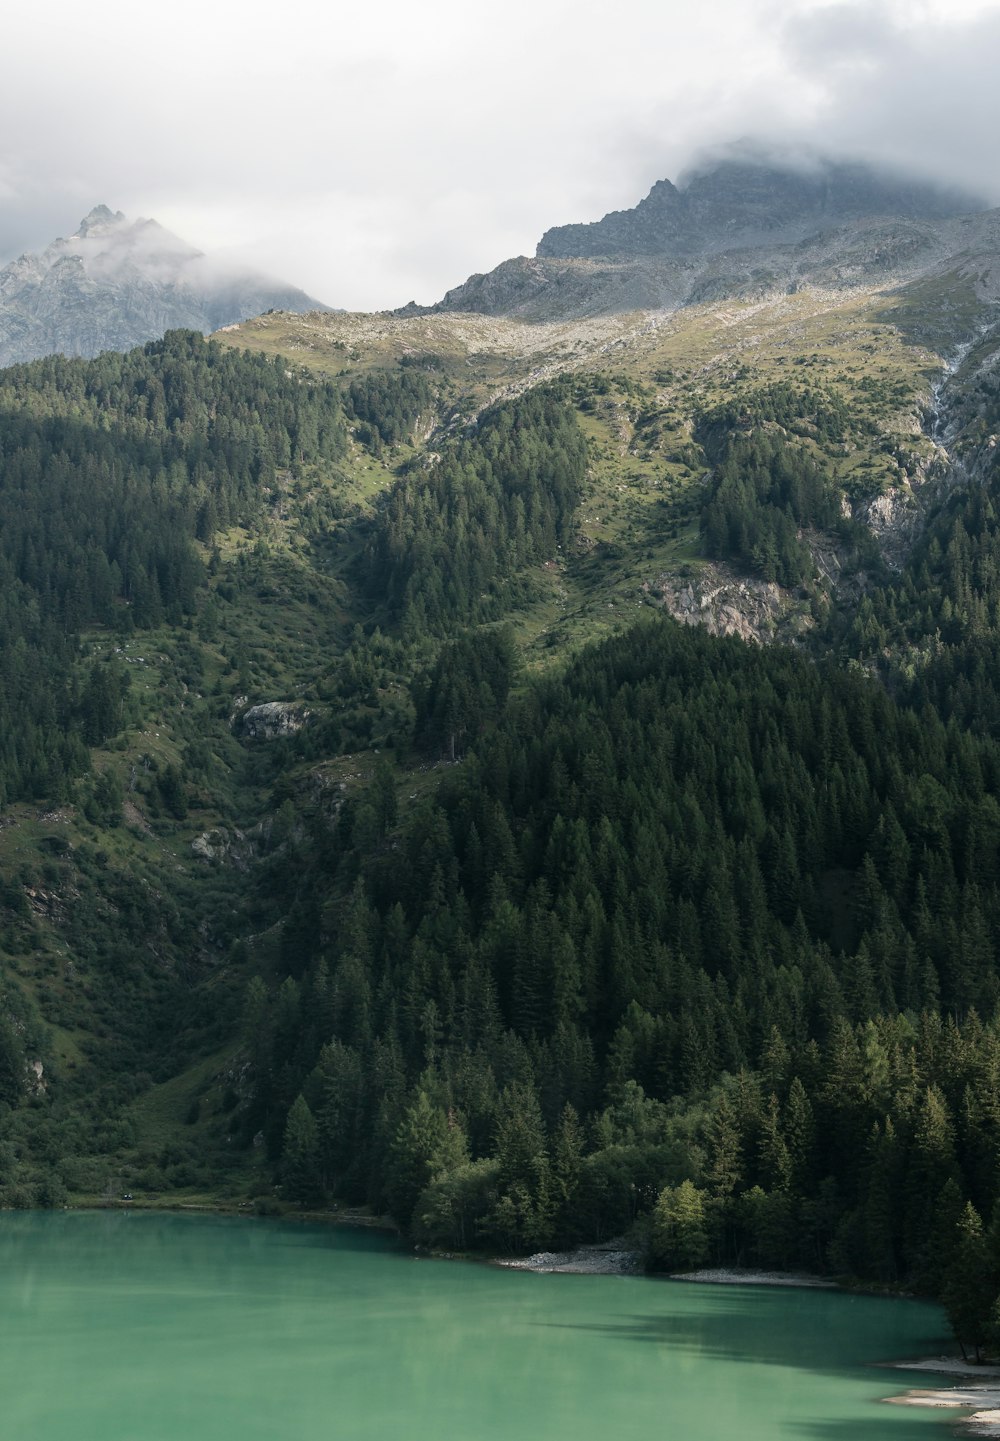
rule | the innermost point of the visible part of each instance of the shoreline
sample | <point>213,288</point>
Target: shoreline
<point>731,1276</point>
<point>612,1259</point>
<point>356,1217</point>
<point>616,1258</point>
<point>981,1398</point>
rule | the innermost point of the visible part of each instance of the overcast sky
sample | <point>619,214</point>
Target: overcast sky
<point>379,153</point>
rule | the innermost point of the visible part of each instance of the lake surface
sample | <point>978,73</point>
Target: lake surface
<point>118,1326</point>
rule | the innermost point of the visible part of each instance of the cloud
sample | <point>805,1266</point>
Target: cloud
<point>920,96</point>
<point>378,154</point>
<point>840,38</point>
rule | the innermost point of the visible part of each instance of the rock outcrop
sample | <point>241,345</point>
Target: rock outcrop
<point>724,602</point>
<point>272,720</point>
<point>231,847</point>
<point>895,519</point>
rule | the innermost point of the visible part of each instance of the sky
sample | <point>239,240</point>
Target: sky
<point>374,154</point>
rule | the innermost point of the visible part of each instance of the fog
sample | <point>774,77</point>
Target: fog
<point>383,155</point>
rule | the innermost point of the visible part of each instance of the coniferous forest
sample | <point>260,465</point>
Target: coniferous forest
<point>671,935</point>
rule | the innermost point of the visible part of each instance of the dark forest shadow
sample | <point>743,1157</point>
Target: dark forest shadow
<point>789,1331</point>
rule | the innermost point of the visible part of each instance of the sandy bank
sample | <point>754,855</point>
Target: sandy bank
<point>981,1396</point>
<point>727,1276</point>
<point>611,1260</point>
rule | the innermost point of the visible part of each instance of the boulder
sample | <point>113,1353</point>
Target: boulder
<point>272,720</point>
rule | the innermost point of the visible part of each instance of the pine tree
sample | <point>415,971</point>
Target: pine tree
<point>300,1161</point>
<point>970,1284</point>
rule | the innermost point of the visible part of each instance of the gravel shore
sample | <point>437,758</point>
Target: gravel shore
<point>614,1258</point>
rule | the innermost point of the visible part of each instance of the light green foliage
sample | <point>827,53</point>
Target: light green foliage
<point>970,1285</point>
<point>679,1236</point>
<point>428,1142</point>
<point>453,1210</point>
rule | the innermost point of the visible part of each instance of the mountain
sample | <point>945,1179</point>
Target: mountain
<point>743,226</point>
<point>116,283</point>
<point>373,833</point>
<point>744,204</point>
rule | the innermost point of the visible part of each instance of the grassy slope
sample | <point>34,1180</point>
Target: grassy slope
<point>640,380</point>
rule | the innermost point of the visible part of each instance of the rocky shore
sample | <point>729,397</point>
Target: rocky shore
<point>980,1395</point>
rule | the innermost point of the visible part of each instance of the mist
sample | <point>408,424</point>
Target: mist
<point>374,159</point>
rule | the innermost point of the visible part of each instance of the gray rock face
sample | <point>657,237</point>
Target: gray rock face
<point>230,847</point>
<point>273,719</point>
<point>739,230</point>
<point>726,603</point>
<point>895,519</point>
<point>739,205</point>
<point>117,283</point>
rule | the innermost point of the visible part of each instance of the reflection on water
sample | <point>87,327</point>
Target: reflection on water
<point>118,1326</point>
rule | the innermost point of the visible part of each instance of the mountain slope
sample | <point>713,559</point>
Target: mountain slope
<point>117,283</point>
<point>465,882</point>
<point>740,228</point>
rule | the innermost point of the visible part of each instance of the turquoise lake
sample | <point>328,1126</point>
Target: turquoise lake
<point>118,1326</point>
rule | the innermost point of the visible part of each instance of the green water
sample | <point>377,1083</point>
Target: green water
<point>131,1327</point>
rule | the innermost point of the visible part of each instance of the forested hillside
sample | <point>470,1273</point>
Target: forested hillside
<point>694,914</point>
<point>772,483</point>
<point>111,470</point>
<point>371,836</point>
<point>491,506</point>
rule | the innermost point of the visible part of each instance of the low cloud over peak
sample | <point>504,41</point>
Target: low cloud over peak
<point>377,157</point>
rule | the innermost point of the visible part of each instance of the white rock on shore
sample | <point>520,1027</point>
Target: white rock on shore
<point>983,1401</point>
<point>584,1261</point>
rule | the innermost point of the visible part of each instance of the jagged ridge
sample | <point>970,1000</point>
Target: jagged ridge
<point>742,229</point>
<point>736,204</point>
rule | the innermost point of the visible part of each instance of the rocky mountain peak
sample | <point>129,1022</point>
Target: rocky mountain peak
<point>100,218</point>
<point>117,283</point>
<point>744,223</point>
<point>738,202</point>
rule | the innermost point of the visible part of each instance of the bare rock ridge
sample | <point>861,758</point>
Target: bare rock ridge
<point>741,205</point>
<point>116,283</point>
<point>740,228</point>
